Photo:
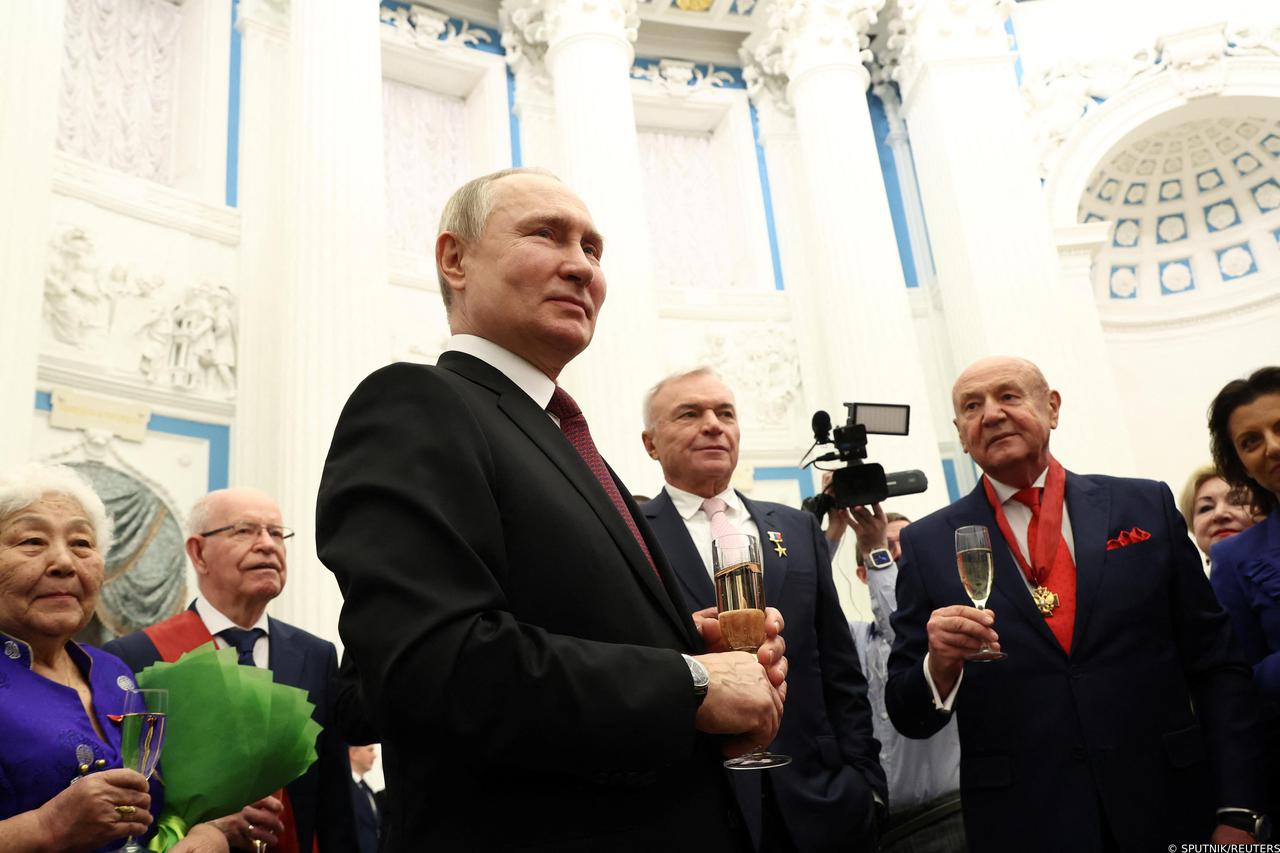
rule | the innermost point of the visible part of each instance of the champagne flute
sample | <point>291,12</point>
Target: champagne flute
<point>973,559</point>
<point>142,727</point>
<point>739,582</point>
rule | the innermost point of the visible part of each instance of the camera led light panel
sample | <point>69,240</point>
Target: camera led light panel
<point>881,418</point>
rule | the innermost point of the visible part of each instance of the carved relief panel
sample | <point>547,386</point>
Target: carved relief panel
<point>136,311</point>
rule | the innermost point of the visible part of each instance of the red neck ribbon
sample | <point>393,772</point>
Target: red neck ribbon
<point>1048,523</point>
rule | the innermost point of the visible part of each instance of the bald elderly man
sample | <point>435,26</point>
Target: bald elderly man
<point>1123,717</point>
<point>237,541</point>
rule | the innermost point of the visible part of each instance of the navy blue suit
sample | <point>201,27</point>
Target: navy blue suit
<point>1136,737</point>
<point>367,819</point>
<point>320,797</point>
<point>825,794</point>
<point>1246,578</point>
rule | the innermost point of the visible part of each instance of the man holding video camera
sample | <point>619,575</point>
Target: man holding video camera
<point>829,797</point>
<point>924,775</point>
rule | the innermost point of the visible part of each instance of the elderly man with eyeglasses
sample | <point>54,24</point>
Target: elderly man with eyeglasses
<point>237,543</point>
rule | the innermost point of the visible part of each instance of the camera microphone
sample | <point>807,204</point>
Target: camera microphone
<point>911,482</point>
<point>821,427</point>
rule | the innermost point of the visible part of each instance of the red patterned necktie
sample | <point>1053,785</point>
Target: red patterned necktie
<point>1061,574</point>
<point>574,427</point>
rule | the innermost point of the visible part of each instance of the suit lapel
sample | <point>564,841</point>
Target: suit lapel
<point>544,434</point>
<point>773,563</point>
<point>680,550</point>
<point>284,657</point>
<point>1008,587</point>
<point>1088,507</point>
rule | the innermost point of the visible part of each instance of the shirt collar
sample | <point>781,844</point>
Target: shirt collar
<point>1005,493</point>
<point>688,504</point>
<point>19,651</point>
<point>526,377</point>
<point>215,621</point>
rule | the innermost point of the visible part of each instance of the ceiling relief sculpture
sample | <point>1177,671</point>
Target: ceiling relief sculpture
<point>1195,207</point>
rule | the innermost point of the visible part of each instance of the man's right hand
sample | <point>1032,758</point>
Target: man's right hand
<point>837,519</point>
<point>257,821</point>
<point>740,701</point>
<point>955,632</point>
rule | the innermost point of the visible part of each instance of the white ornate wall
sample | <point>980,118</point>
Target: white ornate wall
<point>230,242</point>
<point>1165,134</point>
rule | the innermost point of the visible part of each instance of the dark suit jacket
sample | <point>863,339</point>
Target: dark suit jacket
<point>1143,731</point>
<point>517,650</point>
<point>367,820</point>
<point>320,797</point>
<point>825,794</point>
<point>1246,577</point>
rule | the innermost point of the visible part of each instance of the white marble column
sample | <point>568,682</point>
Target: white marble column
<point>329,267</point>
<point>264,82</point>
<point>1089,388</point>
<point>853,299</point>
<point>31,51</point>
<point>904,163</point>
<point>993,242</point>
<point>586,49</point>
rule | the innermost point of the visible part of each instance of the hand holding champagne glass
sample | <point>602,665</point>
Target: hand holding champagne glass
<point>973,560</point>
<point>739,582</point>
<point>142,727</point>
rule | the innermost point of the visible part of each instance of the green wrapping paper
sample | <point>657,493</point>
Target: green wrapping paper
<point>233,737</point>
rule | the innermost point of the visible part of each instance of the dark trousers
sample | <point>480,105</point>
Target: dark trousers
<point>934,827</point>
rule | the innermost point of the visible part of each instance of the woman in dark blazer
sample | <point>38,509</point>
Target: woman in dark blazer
<point>1244,422</point>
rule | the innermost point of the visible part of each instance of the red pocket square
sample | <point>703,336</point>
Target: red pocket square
<point>1128,537</point>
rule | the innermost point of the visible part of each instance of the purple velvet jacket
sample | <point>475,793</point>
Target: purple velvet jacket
<point>46,734</point>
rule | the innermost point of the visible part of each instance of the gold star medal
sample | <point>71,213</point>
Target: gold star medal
<point>776,538</point>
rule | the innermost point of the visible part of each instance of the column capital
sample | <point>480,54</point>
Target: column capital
<point>923,31</point>
<point>531,28</point>
<point>803,36</point>
<point>271,16</point>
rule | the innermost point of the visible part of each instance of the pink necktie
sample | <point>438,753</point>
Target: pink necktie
<point>574,427</point>
<point>720,524</point>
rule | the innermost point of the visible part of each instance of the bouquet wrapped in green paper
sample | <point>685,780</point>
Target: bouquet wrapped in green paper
<point>233,737</point>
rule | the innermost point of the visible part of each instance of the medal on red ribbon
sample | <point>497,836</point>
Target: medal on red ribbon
<point>1048,535</point>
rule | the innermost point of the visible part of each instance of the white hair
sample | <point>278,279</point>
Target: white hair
<point>202,512</point>
<point>649,420</point>
<point>25,484</point>
<point>467,212</point>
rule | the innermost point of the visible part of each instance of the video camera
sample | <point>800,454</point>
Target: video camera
<point>861,483</point>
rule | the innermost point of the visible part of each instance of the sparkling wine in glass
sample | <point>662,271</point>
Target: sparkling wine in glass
<point>142,727</point>
<point>973,559</point>
<point>739,582</point>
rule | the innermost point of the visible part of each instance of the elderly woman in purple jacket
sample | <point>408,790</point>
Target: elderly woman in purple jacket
<point>62,786</point>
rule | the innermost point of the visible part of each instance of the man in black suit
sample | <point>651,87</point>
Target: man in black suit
<point>828,798</point>
<point>1124,717</point>
<point>522,644</point>
<point>364,802</point>
<point>236,543</point>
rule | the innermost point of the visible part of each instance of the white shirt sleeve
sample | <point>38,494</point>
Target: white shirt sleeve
<point>941,704</point>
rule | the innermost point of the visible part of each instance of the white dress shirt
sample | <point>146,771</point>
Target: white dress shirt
<point>918,770</point>
<point>689,507</point>
<point>215,621</point>
<point>522,374</point>
<point>1018,515</point>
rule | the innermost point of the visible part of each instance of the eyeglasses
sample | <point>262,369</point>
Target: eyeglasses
<point>247,531</point>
